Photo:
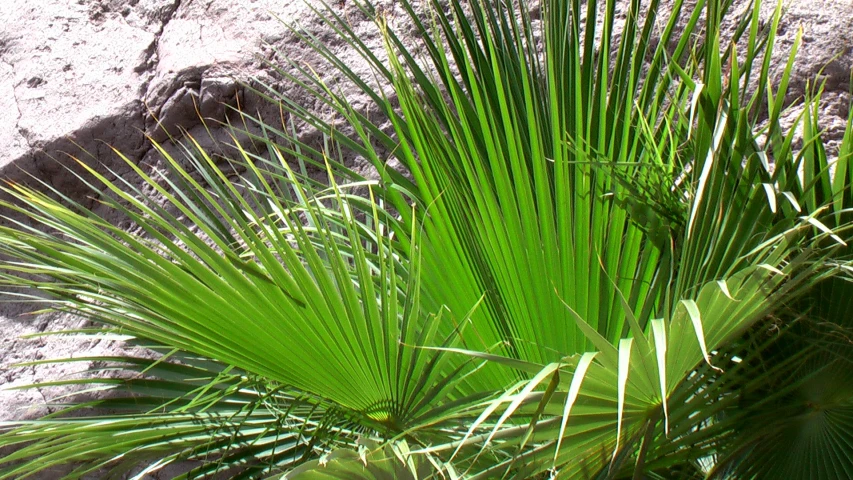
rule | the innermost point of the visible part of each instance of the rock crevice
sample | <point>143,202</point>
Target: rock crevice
<point>15,102</point>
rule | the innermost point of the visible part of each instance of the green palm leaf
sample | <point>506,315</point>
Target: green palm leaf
<point>568,274</point>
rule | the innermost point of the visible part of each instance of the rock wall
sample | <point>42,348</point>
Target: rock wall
<point>87,75</point>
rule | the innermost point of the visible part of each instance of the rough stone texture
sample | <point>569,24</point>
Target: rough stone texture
<point>97,73</point>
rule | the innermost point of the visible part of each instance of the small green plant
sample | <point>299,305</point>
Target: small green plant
<point>592,263</point>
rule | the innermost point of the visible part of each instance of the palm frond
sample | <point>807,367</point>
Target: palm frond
<point>568,273</point>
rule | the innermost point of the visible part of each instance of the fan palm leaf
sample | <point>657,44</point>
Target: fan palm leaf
<point>569,273</point>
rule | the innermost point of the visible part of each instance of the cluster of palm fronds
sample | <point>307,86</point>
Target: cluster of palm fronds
<point>601,257</point>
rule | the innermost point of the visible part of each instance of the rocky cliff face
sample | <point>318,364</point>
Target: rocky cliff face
<point>88,75</point>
